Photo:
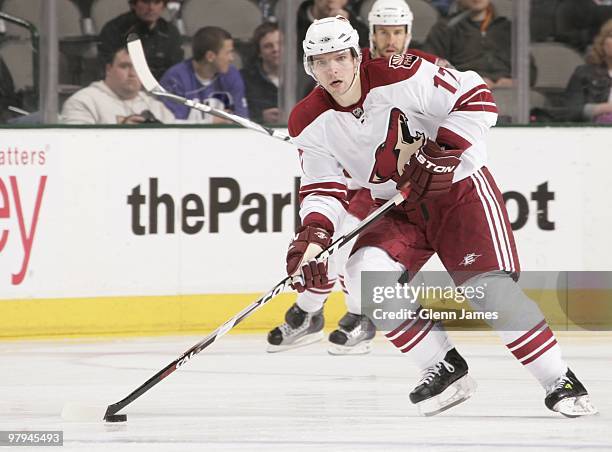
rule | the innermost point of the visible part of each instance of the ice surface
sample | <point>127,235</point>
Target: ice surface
<point>234,396</point>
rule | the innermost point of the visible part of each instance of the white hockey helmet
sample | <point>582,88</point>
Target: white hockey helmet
<point>329,35</point>
<point>390,12</point>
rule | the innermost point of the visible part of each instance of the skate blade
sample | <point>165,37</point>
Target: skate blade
<point>301,342</point>
<point>362,348</point>
<point>575,407</point>
<point>456,393</point>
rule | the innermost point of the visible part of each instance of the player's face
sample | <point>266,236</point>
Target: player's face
<point>269,48</point>
<point>335,71</point>
<point>121,76</point>
<point>149,11</point>
<point>390,40</point>
<point>224,57</point>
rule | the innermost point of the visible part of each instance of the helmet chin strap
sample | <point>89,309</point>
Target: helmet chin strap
<point>355,74</point>
<point>408,39</point>
<point>350,88</point>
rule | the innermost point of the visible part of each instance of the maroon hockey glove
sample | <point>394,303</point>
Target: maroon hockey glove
<point>429,172</point>
<point>308,242</point>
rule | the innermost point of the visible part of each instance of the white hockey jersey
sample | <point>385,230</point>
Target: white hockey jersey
<point>403,102</point>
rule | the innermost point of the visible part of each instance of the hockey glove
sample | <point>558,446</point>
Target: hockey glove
<point>308,242</point>
<point>429,172</point>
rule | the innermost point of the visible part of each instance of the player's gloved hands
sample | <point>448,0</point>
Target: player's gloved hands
<point>429,172</point>
<point>309,241</point>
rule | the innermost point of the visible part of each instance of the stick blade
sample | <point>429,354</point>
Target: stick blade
<point>141,67</point>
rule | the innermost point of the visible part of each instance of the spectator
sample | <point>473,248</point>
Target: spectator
<point>262,77</point>
<point>117,99</point>
<point>160,39</point>
<point>318,9</point>
<point>476,39</point>
<point>589,91</point>
<point>208,77</point>
<point>8,96</point>
<point>578,21</point>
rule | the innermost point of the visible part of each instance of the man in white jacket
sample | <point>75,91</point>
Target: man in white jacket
<point>118,99</point>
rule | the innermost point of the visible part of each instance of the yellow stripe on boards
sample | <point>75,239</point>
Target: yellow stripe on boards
<point>144,316</point>
<point>201,314</point>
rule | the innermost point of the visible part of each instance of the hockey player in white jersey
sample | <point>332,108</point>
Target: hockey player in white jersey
<point>390,23</point>
<point>406,124</point>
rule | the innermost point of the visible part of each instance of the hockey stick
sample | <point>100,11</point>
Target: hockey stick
<point>112,410</point>
<point>152,86</point>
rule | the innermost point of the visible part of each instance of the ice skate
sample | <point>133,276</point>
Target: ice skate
<point>569,397</point>
<point>353,336</point>
<point>300,328</point>
<point>443,385</point>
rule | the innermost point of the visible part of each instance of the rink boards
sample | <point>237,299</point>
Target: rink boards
<point>105,231</point>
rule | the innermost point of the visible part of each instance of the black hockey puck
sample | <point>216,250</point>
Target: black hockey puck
<point>116,418</point>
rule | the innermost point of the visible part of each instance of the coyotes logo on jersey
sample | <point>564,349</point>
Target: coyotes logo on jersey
<point>399,145</point>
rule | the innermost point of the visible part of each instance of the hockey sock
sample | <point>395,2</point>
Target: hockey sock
<point>426,341</point>
<point>537,350</point>
<point>521,325</point>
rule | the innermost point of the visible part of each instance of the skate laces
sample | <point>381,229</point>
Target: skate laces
<point>354,332</point>
<point>430,373</point>
<point>560,383</point>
